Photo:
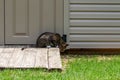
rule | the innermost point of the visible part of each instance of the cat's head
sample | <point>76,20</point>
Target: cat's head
<point>63,46</point>
<point>61,43</point>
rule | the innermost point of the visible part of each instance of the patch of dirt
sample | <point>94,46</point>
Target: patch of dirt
<point>66,59</point>
<point>102,58</point>
<point>93,51</point>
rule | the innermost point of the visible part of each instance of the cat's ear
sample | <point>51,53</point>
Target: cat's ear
<point>57,34</point>
<point>66,45</point>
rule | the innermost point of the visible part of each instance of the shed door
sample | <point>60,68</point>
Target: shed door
<point>92,23</point>
<point>22,21</point>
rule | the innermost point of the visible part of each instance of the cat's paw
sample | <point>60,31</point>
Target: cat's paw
<point>57,46</point>
<point>48,46</point>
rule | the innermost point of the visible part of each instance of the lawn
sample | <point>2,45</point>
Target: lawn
<point>77,67</point>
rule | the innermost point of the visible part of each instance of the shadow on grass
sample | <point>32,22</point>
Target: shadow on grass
<point>32,69</point>
<point>25,69</point>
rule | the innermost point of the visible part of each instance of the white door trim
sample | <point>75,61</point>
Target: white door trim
<point>66,19</point>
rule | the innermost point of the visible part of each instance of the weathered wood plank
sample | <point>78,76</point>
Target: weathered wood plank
<point>29,58</point>
<point>8,50</point>
<point>1,49</point>
<point>42,58</point>
<point>16,59</point>
<point>4,59</point>
<point>54,59</point>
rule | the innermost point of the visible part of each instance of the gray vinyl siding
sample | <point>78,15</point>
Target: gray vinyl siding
<point>93,23</point>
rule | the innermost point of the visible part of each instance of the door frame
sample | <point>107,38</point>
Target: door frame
<point>66,18</point>
<point>2,26</point>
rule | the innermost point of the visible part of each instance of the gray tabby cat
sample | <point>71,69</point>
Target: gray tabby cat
<point>49,39</point>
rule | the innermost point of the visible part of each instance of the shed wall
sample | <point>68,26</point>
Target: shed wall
<point>92,23</point>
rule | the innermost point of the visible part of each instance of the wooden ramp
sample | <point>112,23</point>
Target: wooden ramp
<point>30,58</point>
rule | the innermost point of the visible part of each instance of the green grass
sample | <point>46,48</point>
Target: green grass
<point>75,68</point>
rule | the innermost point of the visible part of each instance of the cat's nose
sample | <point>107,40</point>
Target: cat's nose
<point>67,44</point>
